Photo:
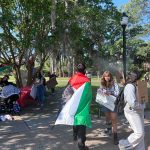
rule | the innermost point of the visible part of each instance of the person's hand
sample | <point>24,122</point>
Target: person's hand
<point>106,94</point>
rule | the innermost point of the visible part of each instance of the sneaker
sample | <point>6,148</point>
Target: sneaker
<point>124,145</point>
<point>108,131</point>
<point>75,137</point>
<point>121,147</point>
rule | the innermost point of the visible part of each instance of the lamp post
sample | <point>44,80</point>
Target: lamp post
<point>124,23</point>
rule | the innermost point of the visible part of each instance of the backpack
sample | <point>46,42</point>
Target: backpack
<point>120,103</point>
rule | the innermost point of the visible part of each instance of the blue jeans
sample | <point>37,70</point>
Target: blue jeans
<point>40,95</point>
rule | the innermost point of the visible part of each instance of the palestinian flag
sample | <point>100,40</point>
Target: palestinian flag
<point>76,110</point>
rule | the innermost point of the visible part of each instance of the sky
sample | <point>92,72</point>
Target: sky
<point>119,3</point>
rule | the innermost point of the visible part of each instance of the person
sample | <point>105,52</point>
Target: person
<point>41,78</point>
<point>5,78</point>
<point>75,110</point>
<point>89,75</point>
<point>40,89</point>
<point>134,113</point>
<point>52,82</point>
<point>146,77</point>
<point>110,87</point>
<point>4,81</point>
<point>10,93</point>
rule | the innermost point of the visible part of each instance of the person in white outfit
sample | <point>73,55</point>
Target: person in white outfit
<point>134,113</point>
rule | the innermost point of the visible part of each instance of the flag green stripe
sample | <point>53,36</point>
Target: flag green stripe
<point>82,116</point>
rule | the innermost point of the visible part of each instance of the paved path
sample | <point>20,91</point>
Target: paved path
<point>32,130</point>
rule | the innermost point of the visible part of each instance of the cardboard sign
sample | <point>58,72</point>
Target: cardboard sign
<point>107,101</point>
<point>142,91</point>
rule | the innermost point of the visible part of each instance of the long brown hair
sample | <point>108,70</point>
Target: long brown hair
<point>104,83</point>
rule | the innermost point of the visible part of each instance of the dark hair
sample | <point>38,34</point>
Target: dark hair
<point>39,75</point>
<point>133,76</point>
<point>6,76</point>
<point>81,68</point>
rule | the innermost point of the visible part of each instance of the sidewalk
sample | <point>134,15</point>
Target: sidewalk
<point>33,131</point>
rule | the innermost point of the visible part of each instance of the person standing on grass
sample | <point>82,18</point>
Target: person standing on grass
<point>75,111</point>
<point>110,87</point>
<point>134,113</point>
<point>52,82</point>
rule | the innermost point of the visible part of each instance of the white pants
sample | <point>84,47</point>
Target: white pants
<point>135,141</point>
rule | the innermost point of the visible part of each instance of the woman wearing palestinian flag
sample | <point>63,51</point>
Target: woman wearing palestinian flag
<point>76,99</point>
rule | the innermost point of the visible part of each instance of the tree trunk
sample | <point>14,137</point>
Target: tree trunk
<point>30,76</point>
<point>18,76</point>
<point>60,68</point>
<point>30,67</point>
<point>70,67</point>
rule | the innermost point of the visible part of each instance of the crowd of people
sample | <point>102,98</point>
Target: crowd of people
<point>10,93</point>
<point>76,116</point>
<point>38,90</point>
<point>76,99</point>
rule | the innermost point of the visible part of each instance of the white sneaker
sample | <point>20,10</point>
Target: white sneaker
<point>121,147</point>
<point>124,145</point>
<point>8,117</point>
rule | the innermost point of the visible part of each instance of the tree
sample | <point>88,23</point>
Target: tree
<point>25,33</point>
<point>138,32</point>
<point>67,31</point>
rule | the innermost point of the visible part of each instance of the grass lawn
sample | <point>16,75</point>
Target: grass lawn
<point>62,82</point>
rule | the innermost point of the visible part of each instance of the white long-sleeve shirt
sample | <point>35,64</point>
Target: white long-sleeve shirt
<point>131,98</point>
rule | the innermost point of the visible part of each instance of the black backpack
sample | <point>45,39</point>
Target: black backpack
<point>120,103</point>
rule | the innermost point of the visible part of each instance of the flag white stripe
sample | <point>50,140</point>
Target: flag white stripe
<point>67,114</point>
